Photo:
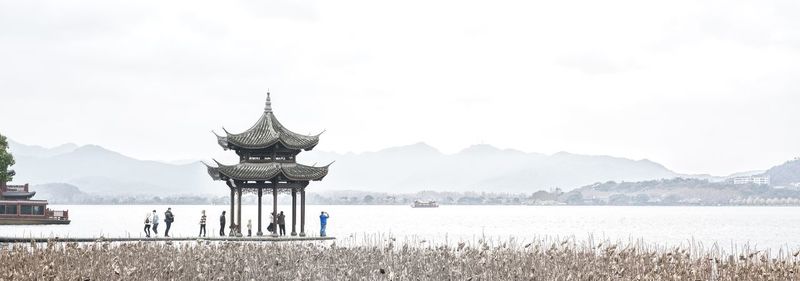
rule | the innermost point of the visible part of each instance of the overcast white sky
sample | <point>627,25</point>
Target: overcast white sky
<point>699,86</point>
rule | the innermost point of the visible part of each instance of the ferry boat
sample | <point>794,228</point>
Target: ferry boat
<point>16,207</point>
<point>424,204</point>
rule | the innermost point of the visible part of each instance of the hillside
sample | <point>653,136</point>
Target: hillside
<point>679,191</point>
<point>57,193</point>
<point>785,174</point>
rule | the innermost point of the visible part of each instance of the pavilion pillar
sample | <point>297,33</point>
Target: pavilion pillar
<point>294,211</point>
<point>239,214</point>
<point>233,197</point>
<point>275,208</point>
<point>259,233</point>
<point>302,212</point>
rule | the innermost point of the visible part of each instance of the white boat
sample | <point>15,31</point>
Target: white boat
<point>424,204</point>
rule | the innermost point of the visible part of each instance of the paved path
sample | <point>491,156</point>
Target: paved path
<point>122,239</point>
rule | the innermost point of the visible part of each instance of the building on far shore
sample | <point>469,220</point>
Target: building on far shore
<point>793,186</point>
<point>759,179</point>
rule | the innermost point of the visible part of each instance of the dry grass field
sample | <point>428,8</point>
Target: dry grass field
<point>379,258</point>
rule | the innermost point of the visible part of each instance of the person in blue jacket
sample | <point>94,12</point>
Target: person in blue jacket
<point>323,221</point>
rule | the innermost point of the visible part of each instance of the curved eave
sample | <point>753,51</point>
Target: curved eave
<point>230,142</point>
<point>213,171</point>
<point>307,172</point>
<point>287,137</point>
<point>266,132</point>
<point>267,172</point>
<point>223,142</point>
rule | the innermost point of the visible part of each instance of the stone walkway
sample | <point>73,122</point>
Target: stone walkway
<point>162,239</point>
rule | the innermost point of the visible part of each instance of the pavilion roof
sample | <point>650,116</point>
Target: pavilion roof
<point>17,194</point>
<point>267,171</point>
<point>266,132</point>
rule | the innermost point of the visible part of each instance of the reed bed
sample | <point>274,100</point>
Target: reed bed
<point>382,257</point>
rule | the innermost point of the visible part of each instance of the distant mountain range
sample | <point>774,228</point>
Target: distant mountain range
<point>94,169</point>
<point>476,168</point>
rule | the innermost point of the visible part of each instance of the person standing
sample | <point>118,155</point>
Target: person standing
<point>202,224</point>
<point>155,222</point>
<point>282,223</point>
<point>168,218</point>
<point>249,227</point>
<point>323,222</point>
<point>272,228</point>
<point>147,226</point>
<point>236,230</point>
<point>222,224</point>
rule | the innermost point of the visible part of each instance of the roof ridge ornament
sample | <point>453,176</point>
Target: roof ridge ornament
<point>268,105</point>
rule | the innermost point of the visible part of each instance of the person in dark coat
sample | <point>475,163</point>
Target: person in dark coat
<point>147,225</point>
<point>168,218</point>
<point>282,223</point>
<point>222,224</point>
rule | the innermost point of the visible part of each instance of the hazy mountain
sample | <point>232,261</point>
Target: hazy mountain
<point>22,150</point>
<point>785,174</point>
<point>479,167</point>
<point>58,192</point>
<point>746,174</point>
<point>398,169</point>
<point>97,170</point>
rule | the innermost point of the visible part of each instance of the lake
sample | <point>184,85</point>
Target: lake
<point>762,227</point>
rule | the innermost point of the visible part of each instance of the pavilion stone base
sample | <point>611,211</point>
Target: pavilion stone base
<point>302,234</point>
<point>294,233</point>
<point>260,233</point>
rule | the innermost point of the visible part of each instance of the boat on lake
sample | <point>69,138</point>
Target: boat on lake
<point>17,207</point>
<point>424,204</point>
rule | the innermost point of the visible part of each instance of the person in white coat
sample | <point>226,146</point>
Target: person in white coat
<point>249,227</point>
<point>154,218</point>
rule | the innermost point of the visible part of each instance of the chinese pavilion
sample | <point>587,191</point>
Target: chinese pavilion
<point>267,153</point>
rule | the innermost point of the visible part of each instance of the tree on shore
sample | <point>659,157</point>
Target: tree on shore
<point>6,161</point>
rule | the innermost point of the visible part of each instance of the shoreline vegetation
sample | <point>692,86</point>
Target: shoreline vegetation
<point>674,192</point>
<point>382,257</point>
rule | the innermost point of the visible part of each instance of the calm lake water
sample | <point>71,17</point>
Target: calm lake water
<point>762,227</point>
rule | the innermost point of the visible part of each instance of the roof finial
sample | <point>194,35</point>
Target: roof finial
<point>268,106</point>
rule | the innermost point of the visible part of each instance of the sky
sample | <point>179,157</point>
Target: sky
<point>698,86</point>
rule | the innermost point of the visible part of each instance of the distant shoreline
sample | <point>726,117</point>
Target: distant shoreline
<point>443,205</point>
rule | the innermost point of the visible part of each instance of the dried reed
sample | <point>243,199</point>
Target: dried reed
<point>383,257</point>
